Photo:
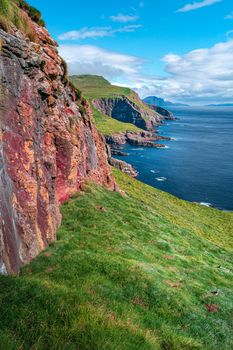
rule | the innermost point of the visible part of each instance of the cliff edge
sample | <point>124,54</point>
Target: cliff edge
<point>120,103</point>
<point>48,143</point>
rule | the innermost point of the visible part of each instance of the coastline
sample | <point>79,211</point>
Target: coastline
<point>191,141</point>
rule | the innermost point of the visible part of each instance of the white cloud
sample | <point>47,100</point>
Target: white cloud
<point>97,32</point>
<point>203,75</point>
<point>128,29</point>
<point>230,16</point>
<point>89,59</point>
<point>197,5</point>
<point>85,33</point>
<point>122,18</point>
<point>198,77</point>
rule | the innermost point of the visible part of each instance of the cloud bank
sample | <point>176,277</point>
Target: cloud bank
<point>200,76</point>
<point>90,59</point>
<point>197,5</point>
<point>197,77</point>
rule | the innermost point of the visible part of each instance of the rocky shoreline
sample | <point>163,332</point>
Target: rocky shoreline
<point>124,167</point>
<point>138,139</point>
<point>141,138</point>
<point>162,111</point>
<point>131,109</point>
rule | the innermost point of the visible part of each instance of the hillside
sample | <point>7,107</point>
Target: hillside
<point>94,86</point>
<point>144,271</point>
<point>127,111</point>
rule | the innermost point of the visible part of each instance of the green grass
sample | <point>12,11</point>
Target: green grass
<point>132,272</point>
<point>94,86</point>
<point>33,13</point>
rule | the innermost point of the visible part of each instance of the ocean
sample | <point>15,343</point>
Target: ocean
<point>197,164</point>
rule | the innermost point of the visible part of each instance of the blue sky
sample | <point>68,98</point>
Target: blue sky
<point>149,44</point>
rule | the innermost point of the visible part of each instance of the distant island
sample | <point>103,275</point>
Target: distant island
<point>158,101</point>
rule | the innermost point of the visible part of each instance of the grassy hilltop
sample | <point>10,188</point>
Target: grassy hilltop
<point>144,271</point>
<point>94,86</point>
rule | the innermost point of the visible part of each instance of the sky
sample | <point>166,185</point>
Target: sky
<point>180,50</point>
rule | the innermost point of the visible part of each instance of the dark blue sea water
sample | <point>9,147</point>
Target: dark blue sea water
<point>197,164</point>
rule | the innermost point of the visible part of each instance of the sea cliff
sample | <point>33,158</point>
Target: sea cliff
<point>48,143</point>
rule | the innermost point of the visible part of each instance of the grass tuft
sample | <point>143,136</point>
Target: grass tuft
<point>16,12</point>
<point>33,13</point>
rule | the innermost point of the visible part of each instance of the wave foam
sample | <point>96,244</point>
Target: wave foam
<point>205,204</point>
<point>161,179</point>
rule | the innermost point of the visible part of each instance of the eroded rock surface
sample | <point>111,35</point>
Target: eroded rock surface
<point>48,145</point>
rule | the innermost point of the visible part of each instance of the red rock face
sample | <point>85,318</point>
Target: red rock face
<point>47,146</point>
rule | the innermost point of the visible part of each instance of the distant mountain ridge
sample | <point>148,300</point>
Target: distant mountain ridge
<point>220,105</point>
<point>154,100</point>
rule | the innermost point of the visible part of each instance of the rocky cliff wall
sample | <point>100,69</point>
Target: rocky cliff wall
<point>48,145</point>
<point>127,111</point>
<point>162,111</point>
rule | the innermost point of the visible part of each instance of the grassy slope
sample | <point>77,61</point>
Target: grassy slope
<point>94,86</point>
<point>11,13</point>
<point>110,126</point>
<point>127,273</point>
